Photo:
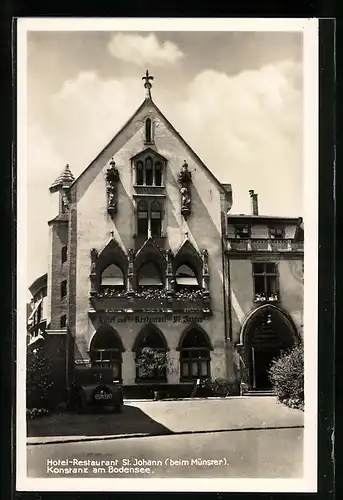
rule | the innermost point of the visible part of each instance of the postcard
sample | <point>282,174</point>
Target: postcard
<point>167,248</point>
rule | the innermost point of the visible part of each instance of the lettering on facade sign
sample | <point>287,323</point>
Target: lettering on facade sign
<point>149,319</point>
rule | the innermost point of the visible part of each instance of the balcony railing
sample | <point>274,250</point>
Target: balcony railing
<point>264,245</point>
<point>262,298</point>
<point>152,301</point>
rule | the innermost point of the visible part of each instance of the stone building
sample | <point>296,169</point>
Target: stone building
<point>264,259</point>
<point>141,252</point>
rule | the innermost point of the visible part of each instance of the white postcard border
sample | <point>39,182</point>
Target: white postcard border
<point>309,27</point>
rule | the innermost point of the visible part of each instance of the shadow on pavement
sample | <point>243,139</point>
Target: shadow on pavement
<point>131,420</point>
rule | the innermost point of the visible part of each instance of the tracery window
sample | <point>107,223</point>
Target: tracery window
<point>195,356</point>
<point>149,172</point>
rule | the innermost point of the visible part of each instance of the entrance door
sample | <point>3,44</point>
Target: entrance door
<point>262,360</point>
<point>267,336</point>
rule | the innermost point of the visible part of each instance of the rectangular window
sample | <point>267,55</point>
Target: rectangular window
<point>64,254</point>
<point>143,223</point>
<point>195,364</point>
<point>107,358</point>
<point>276,232</point>
<point>242,231</point>
<point>155,223</point>
<point>63,289</point>
<point>265,281</point>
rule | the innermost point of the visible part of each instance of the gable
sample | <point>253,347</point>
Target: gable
<point>132,127</point>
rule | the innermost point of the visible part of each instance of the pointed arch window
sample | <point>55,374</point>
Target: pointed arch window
<point>149,276</point>
<point>150,337</point>
<point>149,172</point>
<point>185,278</point>
<point>195,356</point>
<point>140,173</point>
<point>112,279</point>
<point>158,174</point>
<point>148,130</point>
<point>106,351</point>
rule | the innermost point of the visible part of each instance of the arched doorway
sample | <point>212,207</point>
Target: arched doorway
<point>266,334</point>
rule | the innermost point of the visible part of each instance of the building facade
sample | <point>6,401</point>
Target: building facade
<point>144,254</point>
<point>265,259</point>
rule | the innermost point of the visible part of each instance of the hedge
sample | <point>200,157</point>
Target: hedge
<point>287,377</point>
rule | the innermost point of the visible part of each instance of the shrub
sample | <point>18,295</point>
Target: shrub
<point>38,383</point>
<point>287,377</point>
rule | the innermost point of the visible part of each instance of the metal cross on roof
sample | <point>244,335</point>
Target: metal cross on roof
<point>147,83</point>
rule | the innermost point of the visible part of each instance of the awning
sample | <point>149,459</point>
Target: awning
<point>112,281</point>
<point>187,281</point>
<point>150,281</point>
<point>34,310</point>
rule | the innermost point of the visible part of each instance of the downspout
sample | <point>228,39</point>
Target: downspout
<point>226,290</point>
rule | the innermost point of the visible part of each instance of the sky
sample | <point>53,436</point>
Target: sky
<point>235,97</point>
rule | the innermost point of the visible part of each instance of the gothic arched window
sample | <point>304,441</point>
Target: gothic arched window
<point>139,173</point>
<point>149,174</point>
<point>112,278</point>
<point>185,277</point>
<point>148,135</point>
<point>195,355</point>
<point>158,174</point>
<point>106,350</point>
<point>149,276</point>
<point>150,337</point>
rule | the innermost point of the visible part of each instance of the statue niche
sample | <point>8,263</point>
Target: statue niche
<point>112,179</point>
<point>185,179</point>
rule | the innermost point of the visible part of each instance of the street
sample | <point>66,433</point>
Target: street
<point>238,437</point>
<point>251,454</point>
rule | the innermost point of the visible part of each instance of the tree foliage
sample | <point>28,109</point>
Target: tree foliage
<point>287,377</point>
<point>38,382</point>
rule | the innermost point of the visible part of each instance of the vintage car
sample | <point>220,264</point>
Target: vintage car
<point>95,389</point>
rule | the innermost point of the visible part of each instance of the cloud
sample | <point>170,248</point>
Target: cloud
<point>248,130</point>
<point>88,111</point>
<point>246,127</point>
<point>142,50</point>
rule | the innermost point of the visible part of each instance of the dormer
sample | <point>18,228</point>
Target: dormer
<point>149,171</point>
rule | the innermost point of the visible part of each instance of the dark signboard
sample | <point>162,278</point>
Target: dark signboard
<point>266,335</point>
<point>102,394</point>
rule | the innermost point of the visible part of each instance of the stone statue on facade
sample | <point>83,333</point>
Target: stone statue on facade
<point>185,179</point>
<point>112,179</point>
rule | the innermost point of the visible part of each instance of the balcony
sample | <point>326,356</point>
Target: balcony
<point>264,245</point>
<point>261,298</point>
<point>152,301</point>
<point>149,190</point>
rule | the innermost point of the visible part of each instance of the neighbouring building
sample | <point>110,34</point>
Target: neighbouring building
<point>264,259</point>
<point>36,310</point>
<point>145,253</point>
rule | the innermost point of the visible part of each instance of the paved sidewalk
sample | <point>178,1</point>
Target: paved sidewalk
<point>148,418</point>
